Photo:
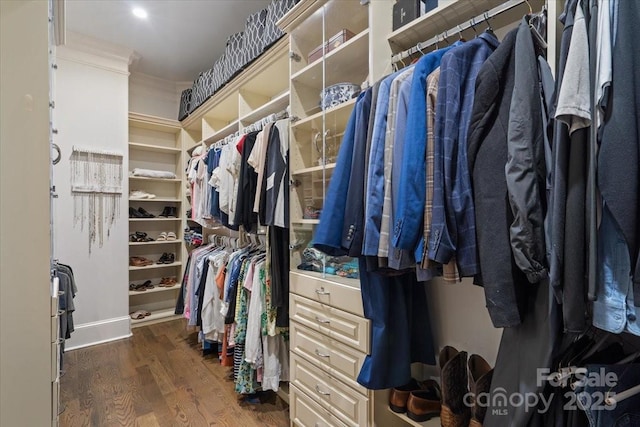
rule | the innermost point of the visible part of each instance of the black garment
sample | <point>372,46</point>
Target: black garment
<point>561,145</point>
<point>247,184</point>
<point>275,171</point>
<point>525,168</point>
<point>180,301</point>
<point>487,155</point>
<point>279,245</point>
<point>527,347</point>
<point>618,161</point>
<point>353,228</point>
<point>200,289</point>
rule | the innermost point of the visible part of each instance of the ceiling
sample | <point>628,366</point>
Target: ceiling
<point>176,41</point>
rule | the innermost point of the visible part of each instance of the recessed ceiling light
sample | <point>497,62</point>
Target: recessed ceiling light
<point>139,12</point>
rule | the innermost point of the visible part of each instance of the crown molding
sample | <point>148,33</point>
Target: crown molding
<point>98,53</point>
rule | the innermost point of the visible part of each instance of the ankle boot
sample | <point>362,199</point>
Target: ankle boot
<point>480,374</point>
<point>166,212</point>
<point>453,380</point>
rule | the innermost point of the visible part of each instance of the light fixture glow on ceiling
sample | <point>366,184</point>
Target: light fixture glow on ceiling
<point>139,12</point>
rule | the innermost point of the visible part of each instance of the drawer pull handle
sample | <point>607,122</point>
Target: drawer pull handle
<point>321,354</point>
<point>319,320</point>
<point>324,393</point>
<point>321,291</point>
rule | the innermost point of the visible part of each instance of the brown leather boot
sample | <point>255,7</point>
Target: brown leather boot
<point>480,374</point>
<point>453,380</point>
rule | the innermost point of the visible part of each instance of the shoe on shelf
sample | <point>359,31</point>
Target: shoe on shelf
<point>145,214</point>
<point>133,213</point>
<point>454,383</point>
<point>171,236</point>
<point>139,194</point>
<point>139,236</point>
<point>169,212</point>
<point>138,261</point>
<point>166,258</point>
<point>424,404</point>
<point>162,236</point>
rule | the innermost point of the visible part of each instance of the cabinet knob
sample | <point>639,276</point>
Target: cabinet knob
<point>318,353</point>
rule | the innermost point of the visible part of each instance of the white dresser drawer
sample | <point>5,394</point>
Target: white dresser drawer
<point>348,405</point>
<point>339,360</point>
<point>335,294</point>
<point>304,412</point>
<point>337,324</point>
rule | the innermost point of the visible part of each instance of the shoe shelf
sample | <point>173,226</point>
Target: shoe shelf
<point>158,144</point>
<point>155,242</point>
<point>156,316</point>
<point>154,148</point>
<point>153,219</point>
<point>155,290</point>
<point>144,178</point>
<point>433,422</point>
<point>157,199</point>
<point>154,266</point>
<point>306,221</point>
<point>314,169</point>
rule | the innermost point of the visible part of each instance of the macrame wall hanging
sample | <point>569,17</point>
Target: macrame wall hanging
<point>96,185</point>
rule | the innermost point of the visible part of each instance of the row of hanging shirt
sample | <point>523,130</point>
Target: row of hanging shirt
<point>228,292</point>
<point>67,290</point>
<point>242,180</point>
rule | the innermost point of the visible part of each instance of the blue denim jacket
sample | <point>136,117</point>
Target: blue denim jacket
<point>614,311</point>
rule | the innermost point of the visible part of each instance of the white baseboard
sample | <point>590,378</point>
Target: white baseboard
<point>88,334</point>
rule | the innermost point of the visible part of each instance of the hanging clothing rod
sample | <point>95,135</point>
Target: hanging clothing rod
<point>508,5</point>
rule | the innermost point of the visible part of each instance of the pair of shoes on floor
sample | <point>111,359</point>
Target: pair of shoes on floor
<point>167,258</point>
<point>168,282</point>
<point>169,212</point>
<point>166,236</point>
<point>141,287</point>
<point>140,314</point>
<point>139,194</point>
<point>140,237</point>
<point>460,376</point>
<point>419,399</point>
<point>139,261</point>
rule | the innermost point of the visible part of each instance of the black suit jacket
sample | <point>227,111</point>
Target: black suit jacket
<point>487,156</point>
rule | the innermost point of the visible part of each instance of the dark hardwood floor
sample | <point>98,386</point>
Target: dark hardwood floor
<point>158,377</point>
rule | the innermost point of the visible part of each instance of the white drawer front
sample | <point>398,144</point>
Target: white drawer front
<point>335,294</point>
<point>337,359</point>
<point>304,412</point>
<point>347,404</point>
<point>337,324</point>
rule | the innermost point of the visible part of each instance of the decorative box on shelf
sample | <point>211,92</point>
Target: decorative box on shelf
<point>333,43</point>
<point>405,11</point>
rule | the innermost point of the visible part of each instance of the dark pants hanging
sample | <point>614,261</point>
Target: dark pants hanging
<point>400,328</point>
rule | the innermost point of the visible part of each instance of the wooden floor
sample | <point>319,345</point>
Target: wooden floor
<point>158,377</point>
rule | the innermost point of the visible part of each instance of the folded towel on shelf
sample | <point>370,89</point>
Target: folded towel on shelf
<point>150,173</point>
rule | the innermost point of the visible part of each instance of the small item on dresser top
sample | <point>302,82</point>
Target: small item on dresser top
<point>337,94</point>
<point>152,173</point>
<point>334,42</point>
<point>139,194</point>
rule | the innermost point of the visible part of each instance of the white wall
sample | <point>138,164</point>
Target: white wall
<point>155,96</point>
<point>25,299</point>
<point>92,111</point>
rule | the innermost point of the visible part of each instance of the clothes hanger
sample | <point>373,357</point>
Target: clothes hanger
<point>486,19</point>
<point>460,38</point>
<point>472,23</point>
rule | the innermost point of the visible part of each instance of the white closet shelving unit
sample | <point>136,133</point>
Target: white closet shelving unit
<point>156,143</point>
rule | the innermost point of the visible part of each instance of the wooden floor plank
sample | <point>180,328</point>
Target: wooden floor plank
<point>157,378</point>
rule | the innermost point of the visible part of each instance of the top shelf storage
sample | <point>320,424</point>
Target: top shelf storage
<point>447,15</point>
